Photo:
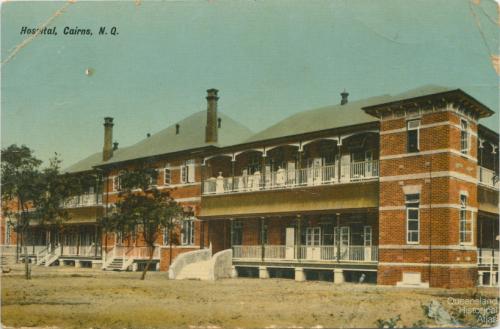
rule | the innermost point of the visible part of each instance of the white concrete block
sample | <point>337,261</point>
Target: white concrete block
<point>263,273</point>
<point>338,275</point>
<point>299,274</point>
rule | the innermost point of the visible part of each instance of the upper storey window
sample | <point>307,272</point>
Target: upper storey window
<point>167,178</point>
<point>413,129</point>
<point>187,172</point>
<point>464,137</point>
<point>117,182</point>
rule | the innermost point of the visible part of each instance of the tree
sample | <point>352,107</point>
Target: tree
<point>144,207</point>
<point>20,177</point>
<point>55,190</point>
<point>33,195</point>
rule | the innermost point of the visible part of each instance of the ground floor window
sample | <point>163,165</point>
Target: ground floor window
<point>412,218</point>
<point>367,236</point>
<point>263,234</point>
<point>465,222</point>
<point>237,233</point>
<point>313,235</point>
<point>188,231</point>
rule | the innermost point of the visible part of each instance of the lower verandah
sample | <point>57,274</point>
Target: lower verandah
<point>323,238</point>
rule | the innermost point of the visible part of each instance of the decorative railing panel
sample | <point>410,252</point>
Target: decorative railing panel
<point>312,176</point>
<point>307,253</point>
<point>84,200</point>
<point>487,177</point>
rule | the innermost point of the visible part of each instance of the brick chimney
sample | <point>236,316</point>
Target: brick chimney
<point>211,128</point>
<point>107,150</point>
<point>344,95</point>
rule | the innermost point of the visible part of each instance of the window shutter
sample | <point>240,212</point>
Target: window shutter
<point>191,172</point>
<point>183,174</point>
<point>166,176</point>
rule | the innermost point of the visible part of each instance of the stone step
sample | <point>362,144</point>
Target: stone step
<point>115,265</point>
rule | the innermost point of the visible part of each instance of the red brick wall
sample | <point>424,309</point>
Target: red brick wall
<point>443,277</point>
<point>183,191</point>
<point>439,199</point>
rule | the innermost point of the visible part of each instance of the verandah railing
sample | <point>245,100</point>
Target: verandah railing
<point>84,200</point>
<point>310,253</point>
<point>316,175</point>
<point>81,251</point>
<point>487,177</point>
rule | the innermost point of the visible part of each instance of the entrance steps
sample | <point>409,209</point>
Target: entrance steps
<point>196,271</point>
<point>7,260</point>
<point>115,265</point>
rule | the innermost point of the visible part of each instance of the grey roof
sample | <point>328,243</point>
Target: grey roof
<point>327,117</point>
<point>89,162</point>
<point>85,164</point>
<point>336,116</point>
<point>191,136</point>
<point>417,92</point>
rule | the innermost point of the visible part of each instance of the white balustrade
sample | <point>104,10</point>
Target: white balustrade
<point>488,256</point>
<point>274,252</point>
<point>282,178</point>
<point>487,177</point>
<point>84,200</point>
<point>308,253</point>
<point>253,252</point>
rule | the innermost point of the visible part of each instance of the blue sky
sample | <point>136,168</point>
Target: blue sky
<point>269,59</point>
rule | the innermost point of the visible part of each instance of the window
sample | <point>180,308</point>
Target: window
<point>413,128</point>
<point>153,178</point>
<point>116,183</point>
<point>412,218</point>
<point>465,222</point>
<point>464,137</point>
<point>237,233</point>
<point>263,234</point>
<point>167,178</point>
<point>187,172</point>
<point>367,236</point>
<point>188,232</point>
<point>313,236</point>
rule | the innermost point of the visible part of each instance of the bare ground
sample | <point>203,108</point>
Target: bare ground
<point>67,298</point>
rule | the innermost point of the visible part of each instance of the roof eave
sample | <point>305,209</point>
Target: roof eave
<point>482,110</point>
<point>103,166</point>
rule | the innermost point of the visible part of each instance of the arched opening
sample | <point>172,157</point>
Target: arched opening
<point>319,161</point>
<point>218,174</point>
<point>359,157</point>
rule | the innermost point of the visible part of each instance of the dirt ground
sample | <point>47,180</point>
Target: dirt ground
<point>67,298</point>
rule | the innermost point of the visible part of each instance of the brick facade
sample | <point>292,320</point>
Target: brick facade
<point>439,173</point>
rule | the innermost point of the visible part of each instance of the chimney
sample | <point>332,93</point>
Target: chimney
<point>219,122</point>
<point>177,129</point>
<point>107,150</point>
<point>344,95</point>
<point>211,128</point>
<point>115,146</point>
